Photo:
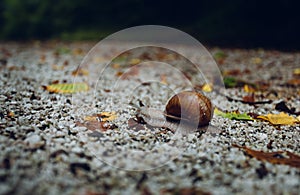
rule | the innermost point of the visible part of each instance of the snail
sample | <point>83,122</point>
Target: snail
<point>185,111</point>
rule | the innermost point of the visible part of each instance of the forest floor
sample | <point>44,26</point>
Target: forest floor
<point>61,137</point>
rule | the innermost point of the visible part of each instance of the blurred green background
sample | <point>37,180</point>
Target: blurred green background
<point>235,23</point>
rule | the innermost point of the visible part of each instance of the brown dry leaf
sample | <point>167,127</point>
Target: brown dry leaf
<point>91,125</point>
<point>294,82</point>
<point>279,119</point>
<point>249,98</point>
<point>279,157</point>
<point>66,63</point>
<point>135,125</point>
<point>99,121</point>
<point>11,68</point>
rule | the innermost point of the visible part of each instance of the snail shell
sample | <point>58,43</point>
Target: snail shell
<point>190,107</point>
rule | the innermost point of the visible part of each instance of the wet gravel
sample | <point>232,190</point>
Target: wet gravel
<point>45,151</point>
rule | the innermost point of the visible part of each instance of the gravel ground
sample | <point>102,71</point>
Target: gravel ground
<point>45,149</point>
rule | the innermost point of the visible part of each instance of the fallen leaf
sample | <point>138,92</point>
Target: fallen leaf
<point>11,68</point>
<point>296,72</point>
<point>100,121</point>
<point>294,82</point>
<point>233,82</point>
<point>249,98</point>
<point>230,82</point>
<point>134,61</point>
<point>67,87</point>
<point>11,114</point>
<point>233,115</point>
<point>256,60</point>
<point>279,119</point>
<point>80,72</point>
<point>107,116</point>
<point>66,63</point>
<point>220,57</point>
<point>56,67</point>
<point>249,89</point>
<point>106,125</point>
<point>279,157</point>
<point>55,82</point>
<point>135,125</point>
<point>207,87</point>
<point>91,118</point>
<point>99,60</point>
<point>247,71</point>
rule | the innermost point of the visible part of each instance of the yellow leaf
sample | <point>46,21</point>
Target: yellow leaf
<point>256,60</point>
<point>90,118</point>
<point>279,119</point>
<point>134,61</point>
<point>207,87</point>
<point>107,116</point>
<point>56,67</point>
<point>80,72</point>
<point>99,60</point>
<point>249,89</point>
<point>296,71</point>
<point>67,87</point>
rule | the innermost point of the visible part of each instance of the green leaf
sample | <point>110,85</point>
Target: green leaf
<point>67,87</point>
<point>233,115</point>
<point>230,82</point>
<point>219,55</point>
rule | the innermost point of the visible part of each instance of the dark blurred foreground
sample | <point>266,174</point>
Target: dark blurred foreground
<point>235,23</point>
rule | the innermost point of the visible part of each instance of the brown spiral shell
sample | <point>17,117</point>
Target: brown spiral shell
<point>191,107</point>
